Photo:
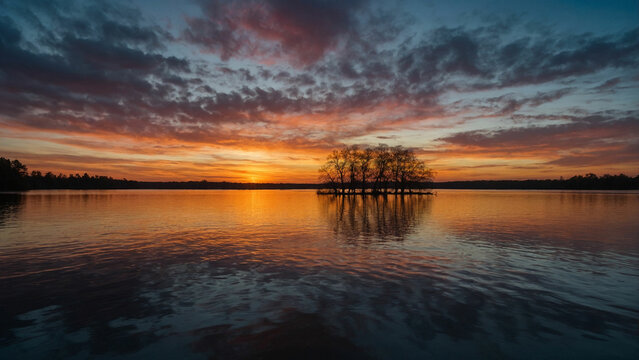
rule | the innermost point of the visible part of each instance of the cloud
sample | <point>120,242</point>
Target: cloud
<point>482,59</point>
<point>510,103</point>
<point>303,31</point>
<point>595,140</point>
<point>81,75</point>
<point>579,132</point>
<point>544,60</point>
<point>618,154</point>
<point>609,84</point>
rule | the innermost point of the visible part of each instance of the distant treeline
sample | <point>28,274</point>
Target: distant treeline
<point>579,182</point>
<point>15,177</point>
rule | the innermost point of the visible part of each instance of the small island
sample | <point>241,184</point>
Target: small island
<point>380,170</point>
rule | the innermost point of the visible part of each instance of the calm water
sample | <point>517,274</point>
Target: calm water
<point>272,274</point>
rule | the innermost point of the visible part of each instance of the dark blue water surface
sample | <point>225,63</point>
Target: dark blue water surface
<point>290,274</point>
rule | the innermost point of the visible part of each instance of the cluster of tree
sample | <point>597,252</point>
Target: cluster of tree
<point>580,182</point>
<point>378,170</point>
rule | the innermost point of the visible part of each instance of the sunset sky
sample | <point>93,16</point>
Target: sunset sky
<point>260,91</point>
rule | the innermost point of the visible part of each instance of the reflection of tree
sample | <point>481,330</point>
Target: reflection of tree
<point>296,335</point>
<point>9,206</point>
<point>353,217</point>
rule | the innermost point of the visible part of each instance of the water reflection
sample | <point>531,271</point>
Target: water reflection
<point>82,296</point>
<point>240,274</point>
<point>295,335</point>
<point>364,218</point>
<point>586,222</point>
<point>9,206</point>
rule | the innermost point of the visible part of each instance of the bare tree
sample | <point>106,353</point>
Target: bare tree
<point>336,163</point>
<point>382,166</point>
<point>329,176</point>
<point>365,162</point>
<point>399,167</point>
<point>352,166</point>
<point>418,174</point>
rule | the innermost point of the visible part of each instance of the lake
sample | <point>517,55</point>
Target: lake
<point>274,274</point>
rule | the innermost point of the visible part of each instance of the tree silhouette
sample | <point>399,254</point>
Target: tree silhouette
<point>376,169</point>
<point>365,162</point>
<point>13,175</point>
<point>333,173</point>
<point>382,163</point>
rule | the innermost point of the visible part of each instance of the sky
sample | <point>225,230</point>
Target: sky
<point>261,91</point>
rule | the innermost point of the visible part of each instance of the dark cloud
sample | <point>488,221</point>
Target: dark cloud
<point>578,132</point>
<point>302,30</point>
<point>467,59</point>
<point>508,104</point>
<point>606,138</point>
<point>81,69</point>
<point>546,97</point>
<point>442,53</point>
<point>620,154</point>
<point>609,84</point>
<point>550,59</point>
